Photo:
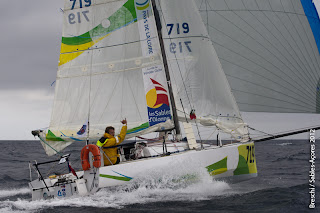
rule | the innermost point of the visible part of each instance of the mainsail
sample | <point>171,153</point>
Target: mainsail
<point>198,80</point>
<point>269,51</point>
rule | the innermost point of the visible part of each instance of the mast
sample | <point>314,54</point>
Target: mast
<point>166,68</point>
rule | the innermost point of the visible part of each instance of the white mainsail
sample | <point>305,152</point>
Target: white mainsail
<point>198,79</point>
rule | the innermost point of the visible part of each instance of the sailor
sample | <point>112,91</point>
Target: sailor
<point>111,156</point>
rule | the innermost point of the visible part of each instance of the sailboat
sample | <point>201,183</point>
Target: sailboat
<point>154,64</point>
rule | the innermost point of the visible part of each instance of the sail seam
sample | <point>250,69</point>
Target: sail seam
<point>170,38</point>
<point>245,10</point>
<point>312,62</point>
<point>275,47</point>
<point>281,100</point>
<point>286,108</point>
<point>263,58</point>
<point>285,12</point>
<point>115,45</point>
<point>304,97</point>
<point>296,43</point>
<point>297,33</point>
<point>286,94</point>
<point>305,70</point>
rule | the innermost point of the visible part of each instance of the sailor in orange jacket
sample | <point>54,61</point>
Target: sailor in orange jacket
<point>111,156</point>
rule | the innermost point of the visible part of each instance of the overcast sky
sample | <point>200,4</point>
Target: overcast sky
<point>30,46</point>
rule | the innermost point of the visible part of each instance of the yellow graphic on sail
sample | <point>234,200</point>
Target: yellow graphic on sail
<point>70,52</point>
<point>74,46</point>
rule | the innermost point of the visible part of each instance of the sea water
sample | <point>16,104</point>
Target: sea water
<point>282,185</point>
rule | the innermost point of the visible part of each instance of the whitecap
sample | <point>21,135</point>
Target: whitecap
<point>14,192</point>
<point>152,187</point>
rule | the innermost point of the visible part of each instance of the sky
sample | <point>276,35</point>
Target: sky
<point>29,52</point>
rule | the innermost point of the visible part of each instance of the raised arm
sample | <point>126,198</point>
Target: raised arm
<point>123,132</point>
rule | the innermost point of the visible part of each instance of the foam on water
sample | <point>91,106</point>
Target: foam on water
<point>153,187</point>
<point>284,144</point>
<point>118,198</point>
<point>14,192</point>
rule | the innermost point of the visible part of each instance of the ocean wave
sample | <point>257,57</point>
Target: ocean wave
<point>7,179</point>
<point>300,156</point>
<point>140,191</point>
<point>14,192</point>
<point>284,144</point>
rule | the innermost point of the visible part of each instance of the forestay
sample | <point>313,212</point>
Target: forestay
<point>198,80</point>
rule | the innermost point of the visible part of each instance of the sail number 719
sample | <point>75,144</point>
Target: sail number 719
<point>179,29</point>
<point>185,28</point>
<point>87,3</point>
<point>250,155</point>
<point>77,17</point>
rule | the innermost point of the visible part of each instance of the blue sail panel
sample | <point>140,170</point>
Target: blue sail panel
<point>313,17</point>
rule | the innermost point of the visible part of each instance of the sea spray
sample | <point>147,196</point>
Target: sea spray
<point>4,193</point>
<point>178,183</point>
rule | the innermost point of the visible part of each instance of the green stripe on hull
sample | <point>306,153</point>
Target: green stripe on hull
<point>115,177</point>
<point>242,167</point>
<point>218,167</point>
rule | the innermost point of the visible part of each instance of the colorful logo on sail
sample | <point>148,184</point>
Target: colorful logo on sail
<point>142,4</point>
<point>83,130</point>
<point>158,104</point>
<point>75,45</point>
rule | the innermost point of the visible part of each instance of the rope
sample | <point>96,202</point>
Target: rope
<point>154,139</point>
<point>52,167</point>
<point>51,147</point>
<point>260,131</point>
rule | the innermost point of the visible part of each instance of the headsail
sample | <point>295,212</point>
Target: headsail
<point>198,80</point>
<point>110,68</point>
<point>269,51</point>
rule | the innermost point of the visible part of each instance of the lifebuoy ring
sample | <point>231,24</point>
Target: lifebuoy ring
<point>94,149</point>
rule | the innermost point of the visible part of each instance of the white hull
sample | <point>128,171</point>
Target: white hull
<point>235,162</point>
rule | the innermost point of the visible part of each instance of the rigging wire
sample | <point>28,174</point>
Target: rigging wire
<point>275,47</point>
<point>179,68</point>
<point>303,94</point>
<point>211,134</point>
<point>249,25</point>
<point>294,24</point>
<point>59,153</point>
<point>284,47</point>
<point>123,62</point>
<point>228,20</point>
<point>260,131</point>
<point>90,84</point>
